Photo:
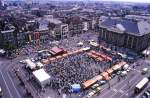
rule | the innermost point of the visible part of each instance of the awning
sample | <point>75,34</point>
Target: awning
<point>88,83</point>
<point>105,75</point>
<point>109,71</point>
<point>98,77</point>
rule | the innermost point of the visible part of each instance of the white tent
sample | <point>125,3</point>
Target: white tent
<point>42,77</point>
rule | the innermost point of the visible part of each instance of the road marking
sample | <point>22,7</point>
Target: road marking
<point>13,85</point>
<point>133,78</point>
<point>113,95</point>
<point>6,85</point>
<point>137,70</point>
<point>121,91</point>
<point>105,93</point>
<point>126,93</point>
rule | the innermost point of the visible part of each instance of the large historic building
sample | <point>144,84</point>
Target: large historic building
<point>131,34</point>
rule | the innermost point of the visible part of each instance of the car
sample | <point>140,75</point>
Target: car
<point>95,86</point>
<point>112,76</point>
<point>98,89</point>
<point>1,92</point>
<point>123,73</point>
<point>91,94</point>
<point>22,62</point>
<point>119,72</point>
<point>129,69</point>
<point>102,82</point>
<point>144,70</point>
<point>148,89</point>
<point>147,94</point>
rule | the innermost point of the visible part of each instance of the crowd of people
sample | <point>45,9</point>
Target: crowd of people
<point>74,69</point>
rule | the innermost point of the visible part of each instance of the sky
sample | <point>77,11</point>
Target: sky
<point>142,1</point>
<point>139,1</point>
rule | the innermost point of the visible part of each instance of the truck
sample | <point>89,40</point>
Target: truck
<point>141,85</point>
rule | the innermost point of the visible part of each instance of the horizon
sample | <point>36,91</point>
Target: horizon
<point>131,1</point>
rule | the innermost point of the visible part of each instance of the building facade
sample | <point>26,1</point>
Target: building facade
<point>136,41</point>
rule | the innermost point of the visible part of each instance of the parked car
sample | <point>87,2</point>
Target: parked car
<point>91,94</point>
<point>1,92</point>
<point>112,76</point>
<point>147,94</point>
<point>95,86</point>
<point>98,89</point>
<point>123,73</point>
<point>119,73</point>
<point>144,70</point>
<point>102,82</point>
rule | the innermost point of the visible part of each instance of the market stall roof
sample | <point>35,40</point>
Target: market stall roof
<point>98,77</point>
<point>94,56</point>
<point>105,75</point>
<point>59,57</point>
<point>65,55</point>
<point>100,59</point>
<point>52,58</point>
<point>93,52</point>
<point>45,61</point>
<point>57,50</point>
<point>119,65</point>
<point>90,54</point>
<point>88,83</point>
<point>109,71</point>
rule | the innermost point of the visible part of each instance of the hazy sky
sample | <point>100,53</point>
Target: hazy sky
<point>141,1</point>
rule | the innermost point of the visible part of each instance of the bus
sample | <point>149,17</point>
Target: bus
<point>141,85</point>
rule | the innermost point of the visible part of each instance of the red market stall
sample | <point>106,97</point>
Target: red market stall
<point>109,71</point>
<point>65,55</point>
<point>52,59</point>
<point>59,57</point>
<point>88,83</point>
<point>98,77</point>
<point>45,61</point>
<point>105,75</point>
<point>57,51</point>
<point>100,59</point>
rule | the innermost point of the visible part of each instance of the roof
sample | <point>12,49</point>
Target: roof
<point>30,64</point>
<point>56,50</point>
<point>88,83</point>
<point>74,20</point>
<point>41,75</point>
<point>7,31</point>
<point>128,26</point>
<point>142,83</point>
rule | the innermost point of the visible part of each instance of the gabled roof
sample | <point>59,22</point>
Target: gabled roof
<point>130,26</point>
